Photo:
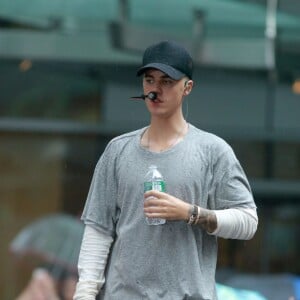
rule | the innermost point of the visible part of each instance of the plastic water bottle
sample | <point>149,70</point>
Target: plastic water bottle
<point>154,181</point>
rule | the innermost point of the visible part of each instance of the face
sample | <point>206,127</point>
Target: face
<point>170,92</point>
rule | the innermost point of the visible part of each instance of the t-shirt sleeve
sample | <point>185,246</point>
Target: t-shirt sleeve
<point>230,187</point>
<point>101,205</point>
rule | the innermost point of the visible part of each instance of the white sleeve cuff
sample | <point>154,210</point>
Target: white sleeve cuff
<point>86,290</point>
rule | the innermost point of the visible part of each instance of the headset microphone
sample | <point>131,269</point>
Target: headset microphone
<point>151,96</point>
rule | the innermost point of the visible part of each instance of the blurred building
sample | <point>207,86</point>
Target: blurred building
<point>67,72</point>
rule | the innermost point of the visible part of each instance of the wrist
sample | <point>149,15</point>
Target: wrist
<point>193,214</point>
<point>212,223</point>
<point>205,218</point>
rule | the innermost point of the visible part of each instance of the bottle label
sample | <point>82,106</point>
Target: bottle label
<point>155,185</point>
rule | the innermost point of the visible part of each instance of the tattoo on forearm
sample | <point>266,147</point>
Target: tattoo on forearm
<point>207,220</point>
<point>202,217</point>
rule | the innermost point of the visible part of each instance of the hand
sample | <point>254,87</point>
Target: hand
<point>68,287</point>
<point>165,206</point>
<point>40,287</point>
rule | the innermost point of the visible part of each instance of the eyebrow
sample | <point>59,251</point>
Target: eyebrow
<point>161,77</point>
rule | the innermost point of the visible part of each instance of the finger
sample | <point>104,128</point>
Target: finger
<point>154,193</point>
<point>155,214</point>
<point>155,202</point>
<point>155,209</point>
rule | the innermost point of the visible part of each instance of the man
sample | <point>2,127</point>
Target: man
<point>208,196</point>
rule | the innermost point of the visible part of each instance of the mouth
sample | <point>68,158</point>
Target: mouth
<point>156,101</point>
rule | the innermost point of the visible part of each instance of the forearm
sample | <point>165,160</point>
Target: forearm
<point>91,263</point>
<point>202,217</point>
<point>234,223</point>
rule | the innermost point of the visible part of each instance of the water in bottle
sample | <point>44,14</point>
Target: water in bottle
<point>154,181</point>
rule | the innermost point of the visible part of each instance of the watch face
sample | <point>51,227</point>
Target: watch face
<point>195,211</point>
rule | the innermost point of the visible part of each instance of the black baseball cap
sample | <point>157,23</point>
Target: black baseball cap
<point>168,57</point>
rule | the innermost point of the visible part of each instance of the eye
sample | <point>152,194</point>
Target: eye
<point>167,82</point>
<point>149,80</point>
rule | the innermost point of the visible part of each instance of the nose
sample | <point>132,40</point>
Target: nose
<point>156,87</point>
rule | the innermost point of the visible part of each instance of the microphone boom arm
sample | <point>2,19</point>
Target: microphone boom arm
<point>151,96</point>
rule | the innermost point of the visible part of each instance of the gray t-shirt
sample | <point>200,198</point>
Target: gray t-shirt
<point>174,261</point>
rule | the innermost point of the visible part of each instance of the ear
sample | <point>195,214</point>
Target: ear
<point>188,87</point>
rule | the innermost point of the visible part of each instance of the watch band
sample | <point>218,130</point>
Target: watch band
<point>193,216</point>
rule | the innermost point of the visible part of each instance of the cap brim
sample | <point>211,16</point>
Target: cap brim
<point>170,71</point>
